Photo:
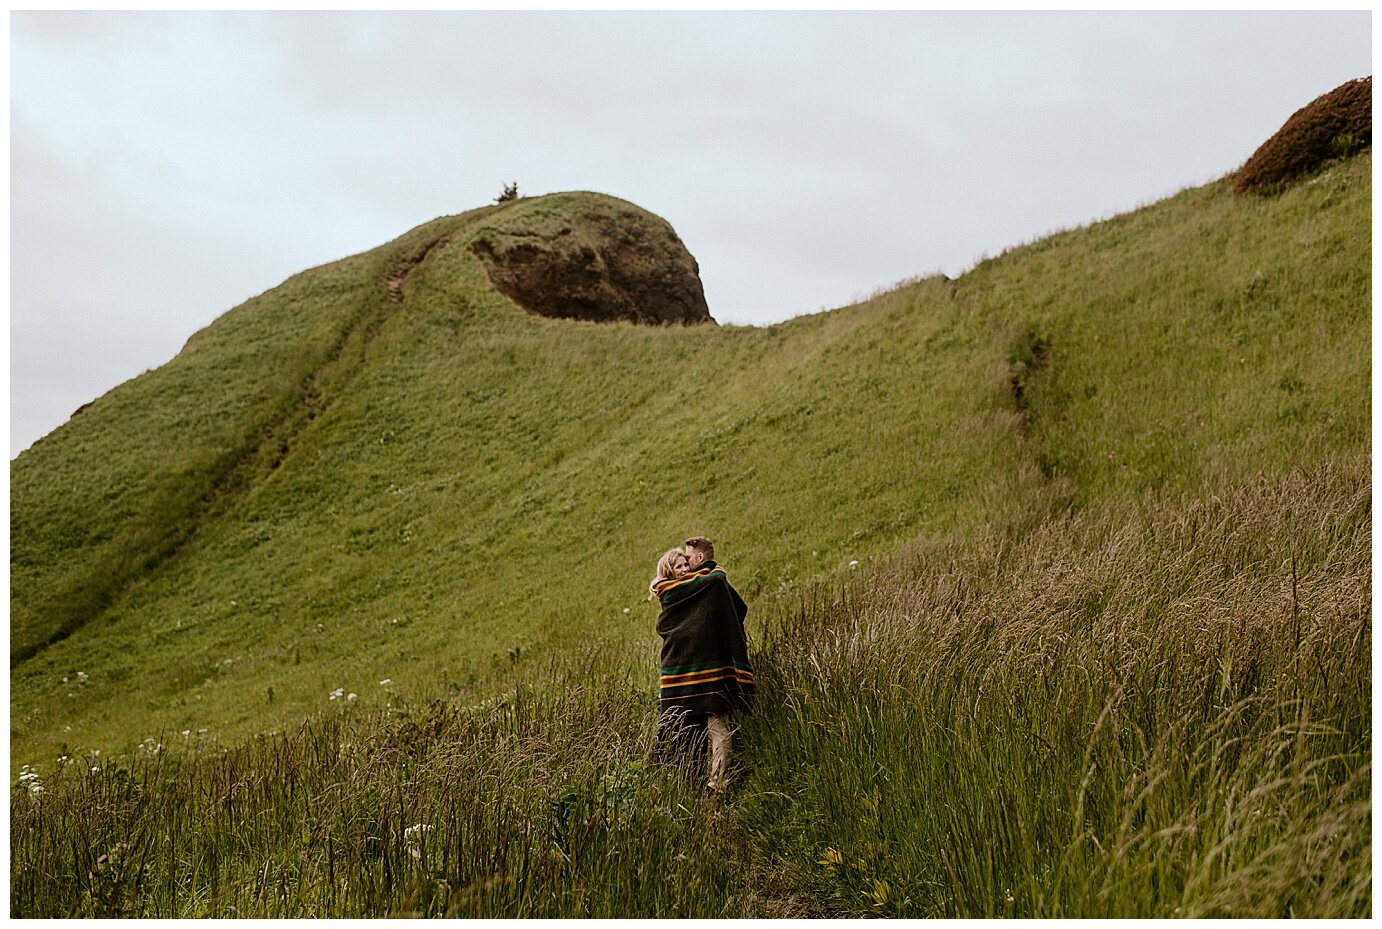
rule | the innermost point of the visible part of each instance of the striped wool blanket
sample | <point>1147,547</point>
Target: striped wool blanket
<point>705,660</point>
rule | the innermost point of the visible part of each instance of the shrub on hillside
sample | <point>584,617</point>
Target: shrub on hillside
<point>1334,125</point>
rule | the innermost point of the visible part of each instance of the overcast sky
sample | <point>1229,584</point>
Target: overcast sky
<point>165,167</point>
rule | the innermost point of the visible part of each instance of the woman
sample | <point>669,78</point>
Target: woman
<point>673,563</point>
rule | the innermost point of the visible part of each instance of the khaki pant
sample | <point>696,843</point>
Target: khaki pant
<point>721,734</point>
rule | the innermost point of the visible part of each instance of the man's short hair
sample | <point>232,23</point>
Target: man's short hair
<point>701,544</point>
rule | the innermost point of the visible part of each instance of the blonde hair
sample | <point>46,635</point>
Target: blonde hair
<point>664,570</point>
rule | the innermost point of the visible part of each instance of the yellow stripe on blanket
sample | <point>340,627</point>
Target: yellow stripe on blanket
<point>672,583</point>
<point>696,677</point>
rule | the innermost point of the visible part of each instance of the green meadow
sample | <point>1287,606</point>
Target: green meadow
<point>1059,585</point>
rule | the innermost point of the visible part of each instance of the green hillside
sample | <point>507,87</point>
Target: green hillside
<point>432,481</point>
<point>382,484</point>
<point>452,479</point>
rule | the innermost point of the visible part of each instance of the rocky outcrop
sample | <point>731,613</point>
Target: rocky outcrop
<point>589,256</point>
<point>1331,126</point>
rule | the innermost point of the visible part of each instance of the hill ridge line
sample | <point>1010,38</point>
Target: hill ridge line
<point>233,478</point>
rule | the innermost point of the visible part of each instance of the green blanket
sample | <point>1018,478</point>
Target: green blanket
<point>705,660</point>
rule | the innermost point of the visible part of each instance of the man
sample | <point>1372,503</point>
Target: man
<point>706,677</point>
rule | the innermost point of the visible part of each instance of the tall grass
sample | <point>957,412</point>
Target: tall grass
<point>1148,708</point>
<point>1149,713</point>
<point>532,804</point>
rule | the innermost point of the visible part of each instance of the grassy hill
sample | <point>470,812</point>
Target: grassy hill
<point>440,481</point>
<point>1129,461</point>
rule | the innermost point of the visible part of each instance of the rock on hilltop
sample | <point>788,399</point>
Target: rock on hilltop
<point>1332,126</point>
<point>594,257</point>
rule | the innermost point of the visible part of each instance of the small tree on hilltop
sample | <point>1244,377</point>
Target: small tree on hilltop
<point>510,193</point>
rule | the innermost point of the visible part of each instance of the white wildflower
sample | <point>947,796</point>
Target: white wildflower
<point>413,835</point>
<point>29,780</point>
<point>337,693</point>
<point>386,682</point>
<point>853,563</point>
<point>351,697</point>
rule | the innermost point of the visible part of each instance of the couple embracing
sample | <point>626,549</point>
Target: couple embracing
<point>706,678</point>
